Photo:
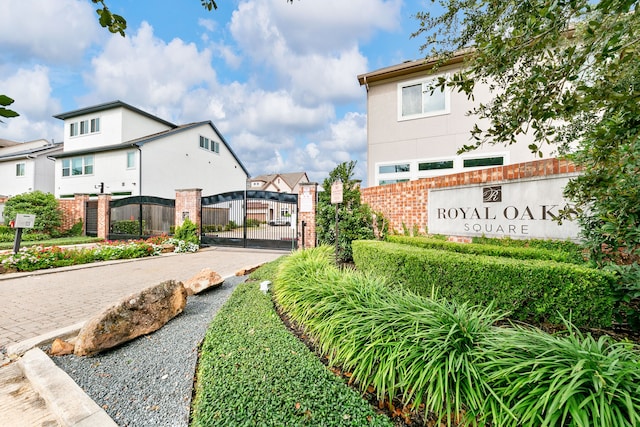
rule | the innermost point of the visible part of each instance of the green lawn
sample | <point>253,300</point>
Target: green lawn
<point>53,242</point>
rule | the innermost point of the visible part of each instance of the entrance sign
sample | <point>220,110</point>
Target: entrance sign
<point>336,192</point>
<point>25,221</point>
<point>520,210</point>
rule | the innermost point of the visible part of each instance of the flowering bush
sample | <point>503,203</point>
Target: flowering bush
<point>182,246</point>
<point>40,257</point>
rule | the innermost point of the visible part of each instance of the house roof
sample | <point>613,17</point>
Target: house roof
<point>110,106</point>
<point>31,152</point>
<point>291,179</point>
<point>410,67</point>
<point>7,143</point>
<point>139,142</point>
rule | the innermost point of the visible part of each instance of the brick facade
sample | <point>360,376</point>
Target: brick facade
<point>406,203</point>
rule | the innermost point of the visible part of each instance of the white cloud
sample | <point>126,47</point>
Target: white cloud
<point>56,31</point>
<point>148,72</point>
<point>331,25</point>
<point>31,90</point>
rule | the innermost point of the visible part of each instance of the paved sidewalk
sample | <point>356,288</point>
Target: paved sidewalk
<point>35,304</point>
<point>39,302</point>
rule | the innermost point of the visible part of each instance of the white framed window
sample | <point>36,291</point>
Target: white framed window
<point>209,144</point>
<point>479,162</point>
<point>20,169</point>
<point>399,168</point>
<point>421,98</point>
<point>84,127</point>
<point>75,166</point>
<point>131,159</point>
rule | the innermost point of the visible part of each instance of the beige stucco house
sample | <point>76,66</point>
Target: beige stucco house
<point>413,133</point>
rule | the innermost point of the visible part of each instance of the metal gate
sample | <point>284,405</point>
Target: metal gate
<point>255,219</point>
<point>138,217</point>
<point>91,219</point>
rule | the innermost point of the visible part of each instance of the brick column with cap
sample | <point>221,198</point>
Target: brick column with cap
<point>307,206</point>
<point>188,205</point>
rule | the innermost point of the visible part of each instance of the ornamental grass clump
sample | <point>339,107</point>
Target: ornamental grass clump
<point>421,350</point>
<point>570,380</point>
<point>451,359</point>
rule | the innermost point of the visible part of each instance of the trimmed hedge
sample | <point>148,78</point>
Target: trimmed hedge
<point>254,372</point>
<point>127,227</point>
<point>530,290</point>
<point>517,252</point>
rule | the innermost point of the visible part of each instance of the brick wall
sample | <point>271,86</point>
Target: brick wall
<point>406,202</point>
<point>73,210</point>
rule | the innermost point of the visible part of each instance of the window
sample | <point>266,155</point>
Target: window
<point>84,127</point>
<point>391,181</point>
<point>484,161</point>
<point>208,144</point>
<point>394,168</point>
<point>20,169</point>
<point>427,166</point>
<point>131,160</point>
<point>75,166</point>
<point>417,100</point>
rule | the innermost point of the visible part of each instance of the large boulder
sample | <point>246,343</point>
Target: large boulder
<point>139,314</point>
<point>248,269</point>
<point>205,279</point>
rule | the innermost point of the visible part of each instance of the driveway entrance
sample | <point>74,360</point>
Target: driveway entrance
<point>250,219</point>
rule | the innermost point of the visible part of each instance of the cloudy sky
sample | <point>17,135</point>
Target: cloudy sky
<point>277,79</point>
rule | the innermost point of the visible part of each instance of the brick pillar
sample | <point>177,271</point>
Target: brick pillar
<point>103,215</point>
<point>80,210</point>
<point>188,204</point>
<point>307,206</point>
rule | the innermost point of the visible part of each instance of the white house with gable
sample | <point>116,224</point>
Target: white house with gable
<point>118,149</point>
<point>26,166</point>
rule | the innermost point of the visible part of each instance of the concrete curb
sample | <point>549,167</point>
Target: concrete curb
<point>64,397</point>
<point>20,348</point>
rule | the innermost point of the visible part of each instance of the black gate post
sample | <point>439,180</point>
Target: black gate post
<point>244,221</point>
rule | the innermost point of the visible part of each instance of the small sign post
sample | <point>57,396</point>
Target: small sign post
<point>21,221</point>
<point>337,190</point>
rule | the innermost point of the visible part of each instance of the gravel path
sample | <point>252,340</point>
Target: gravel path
<point>149,381</point>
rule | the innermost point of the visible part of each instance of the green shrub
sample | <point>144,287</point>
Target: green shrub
<point>187,232</point>
<point>566,246</point>
<point>252,222</point>
<point>518,252</point>
<point>43,205</point>
<point>253,371</point>
<point>531,290</point>
<point>129,227</point>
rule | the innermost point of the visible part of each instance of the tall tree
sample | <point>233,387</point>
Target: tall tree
<point>355,220</point>
<point>566,72</point>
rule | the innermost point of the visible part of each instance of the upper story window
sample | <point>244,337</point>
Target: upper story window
<point>209,144</point>
<point>421,98</point>
<point>435,165</point>
<point>405,167</point>
<point>75,166</point>
<point>20,169</point>
<point>84,127</point>
<point>483,161</point>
